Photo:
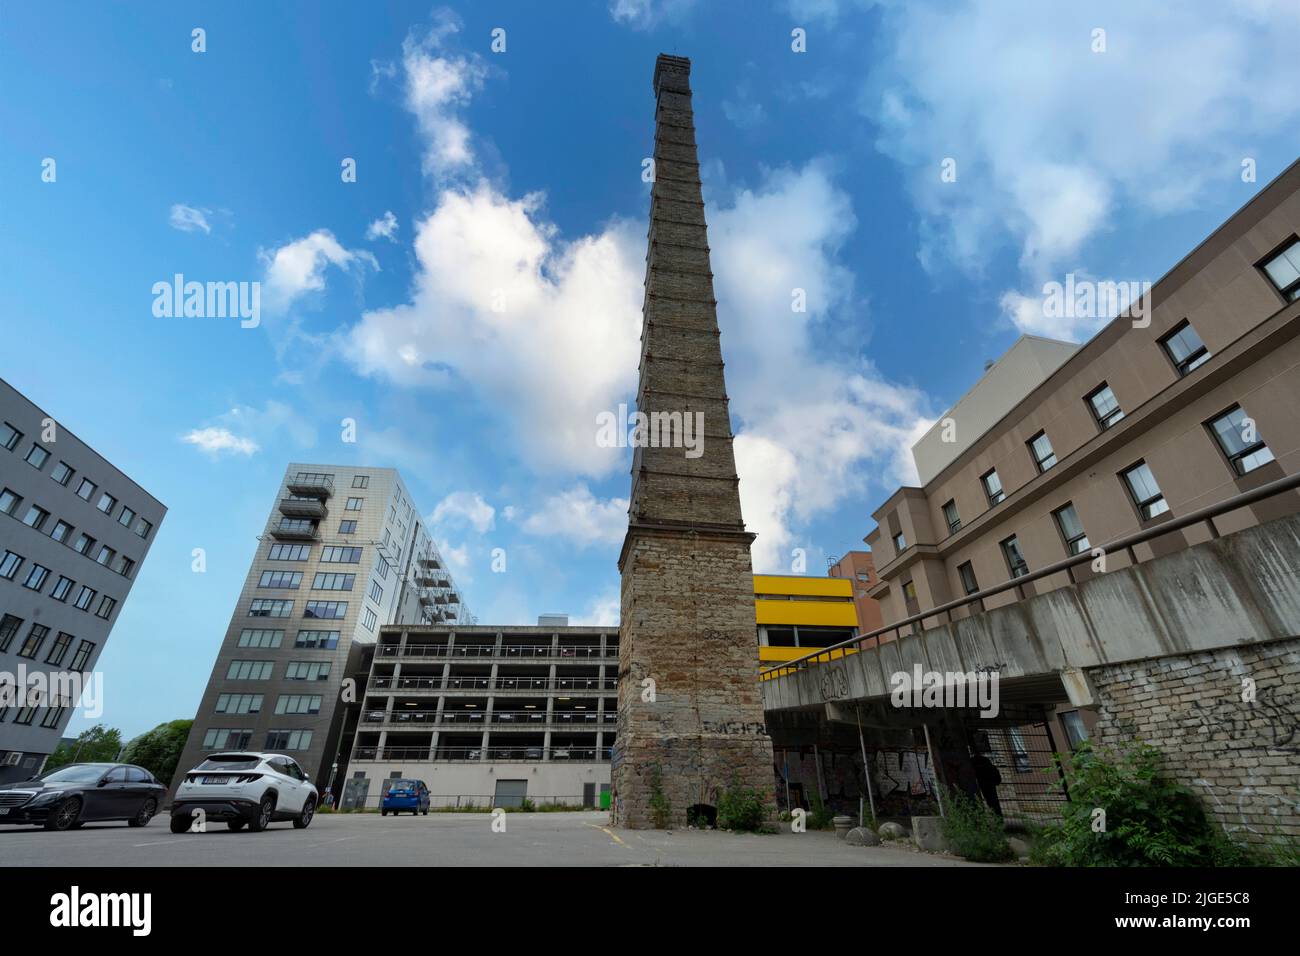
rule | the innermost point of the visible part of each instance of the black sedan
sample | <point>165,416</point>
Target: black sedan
<point>65,798</point>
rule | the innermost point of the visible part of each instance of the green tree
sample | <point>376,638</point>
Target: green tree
<point>94,745</point>
<point>159,750</point>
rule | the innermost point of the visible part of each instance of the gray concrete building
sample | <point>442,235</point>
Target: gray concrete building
<point>344,553</point>
<point>489,715</point>
<point>74,532</point>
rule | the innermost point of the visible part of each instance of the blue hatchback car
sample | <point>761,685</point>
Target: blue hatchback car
<point>400,795</point>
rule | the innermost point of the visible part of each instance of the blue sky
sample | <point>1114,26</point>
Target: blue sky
<point>515,177</point>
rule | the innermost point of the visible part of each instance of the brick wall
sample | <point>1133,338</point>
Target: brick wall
<point>1242,757</point>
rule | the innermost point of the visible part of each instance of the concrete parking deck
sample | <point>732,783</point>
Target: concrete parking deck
<point>441,839</point>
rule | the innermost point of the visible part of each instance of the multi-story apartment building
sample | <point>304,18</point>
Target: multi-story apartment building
<point>1061,448</point>
<point>344,553</point>
<point>74,532</point>
<point>859,568</point>
<point>499,714</point>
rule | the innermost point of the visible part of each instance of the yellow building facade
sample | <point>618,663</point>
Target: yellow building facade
<point>797,614</point>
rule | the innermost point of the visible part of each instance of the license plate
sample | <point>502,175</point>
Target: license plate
<point>3,811</point>
<point>216,780</point>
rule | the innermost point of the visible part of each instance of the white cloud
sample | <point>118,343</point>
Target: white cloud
<point>1051,139</point>
<point>218,441</point>
<point>603,611</point>
<point>298,267</point>
<point>465,507</point>
<point>436,86</point>
<point>245,430</point>
<point>644,14</point>
<point>384,227</point>
<point>458,561</point>
<point>742,109</point>
<point>576,515</point>
<point>189,218</point>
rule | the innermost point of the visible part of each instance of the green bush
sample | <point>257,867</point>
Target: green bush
<point>821,818</point>
<point>741,808</point>
<point>1150,820</point>
<point>973,830</point>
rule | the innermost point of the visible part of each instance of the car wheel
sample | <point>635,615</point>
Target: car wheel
<point>263,818</point>
<point>145,815</point>
<point>301,821</point>
<point>235,825</point>
<point>181,823</point>
<point>383,813</point>
<point>64,816</point>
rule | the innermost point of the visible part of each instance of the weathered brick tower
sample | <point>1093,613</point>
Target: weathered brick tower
<point>687,586</point>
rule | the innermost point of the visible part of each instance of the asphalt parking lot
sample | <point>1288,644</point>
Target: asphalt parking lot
<point>440,839</point>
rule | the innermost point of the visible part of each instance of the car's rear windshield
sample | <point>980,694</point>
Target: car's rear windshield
<point>402,785</point>
<point>230,762</point>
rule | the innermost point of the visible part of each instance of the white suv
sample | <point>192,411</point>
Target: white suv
<point>245,789</point>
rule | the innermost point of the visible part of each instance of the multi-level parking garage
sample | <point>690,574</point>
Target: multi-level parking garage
<point>488,715</point>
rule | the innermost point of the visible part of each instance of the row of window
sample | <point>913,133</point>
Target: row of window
<point>252,704</point>
<point>38,519</point>
<point>289,581</point>
<point>37,575</point>
<point>10,626</point>
<point>294,670</point>
<point>63,473</point>
<point>225,739</point>
<point>328,610</point>
<point>319,640</point>
<point>26,715</point>
<point>1235,434</point>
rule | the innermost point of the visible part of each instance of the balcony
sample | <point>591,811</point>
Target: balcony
<point>303,508</point>
<point>520,754</point>
<point>295,529</point>
<point>580,685</point>
<point>311,486</point>
<point>429,562</point>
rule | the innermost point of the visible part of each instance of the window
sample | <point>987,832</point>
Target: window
<point>1237,437</point>
<point>347,527</point>
<point>340,555</point>
<point>62,473</point>
<point>368,619</point>
<point>298,704</point>
<point>143,527</point>
<point>35,637</point>
<point>52,716</point>
<point>1146,493</point>
<point>106,503</point>
<point>106,605</point>
<point>333,582</point>
<point>1019,752</point>
<point>84,597</point>
<point>1067,520</point>
<point>62,588</point>
<point>262,607</point>
<point>1015,560</point>
<point>238,704</point>
<point>60,649</point>
<point>1283,270</point>
<point>255,637</point>
<point>9,565</point>
<point>331,610</point>
<point>900,543</point>
<point>8,630</point>
<point>361,481</point>
<point>289,552</point>
<point>324,640</point>
<point>62,531</point>
<point>125,566</point>
<point>220,738</point>
<point>8,502</point>
<point>376,592</point>
<point>9,436</point>
<point>84,544</point>
<point>354,504</point>
<point>79,660</point>
<point>25,715</point>
<point>37,457</point>
<point>381,568</point>
<point>1185,348</point>
<point>966,572</point>
<point>285,580</point>
<point>36,577</point>
<point>1075,731</point>
<point>105,556</point>
<point>288,739</point>
<point>249,670</point>
<point>992,487</point>
<point>1040,449</point>
<point>307,670</point>
<point>950,515</point>
<point>1105,407</point>
<point>86,489</point>
<point>126,517</point>
<point>909,591</point>
<point>36,517</point>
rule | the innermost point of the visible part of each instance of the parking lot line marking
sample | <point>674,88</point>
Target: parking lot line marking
<point>607,831</point>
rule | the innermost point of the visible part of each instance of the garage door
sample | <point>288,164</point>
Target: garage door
<point>510,793</point>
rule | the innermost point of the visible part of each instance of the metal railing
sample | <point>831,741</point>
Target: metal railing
<point>501,683</point>
<point>1126,543</point>
<point>535,718</point>
<point>508,651</point>
<point>505,754</point>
